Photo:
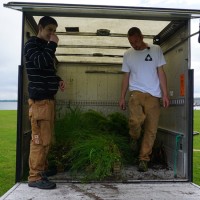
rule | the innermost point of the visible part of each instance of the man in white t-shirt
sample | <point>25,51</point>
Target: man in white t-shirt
<point>146,80</point>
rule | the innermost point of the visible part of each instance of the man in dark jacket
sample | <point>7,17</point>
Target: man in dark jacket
<point>39,52</point>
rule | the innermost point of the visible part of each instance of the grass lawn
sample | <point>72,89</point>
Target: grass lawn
<point>8,149</point>
<point>196,145</point>
<point>8,131</point>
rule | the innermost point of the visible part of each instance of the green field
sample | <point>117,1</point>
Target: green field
<point>8,129</point>
<point>8,149</point>
<point>196,146</point>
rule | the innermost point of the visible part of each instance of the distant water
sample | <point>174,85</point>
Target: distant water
<point>13,106</point>
<point>8,105</point>
<point>196,107</point>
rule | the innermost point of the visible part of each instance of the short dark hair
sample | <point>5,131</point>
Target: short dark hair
<point>46,20</point>
<point>134,31</point>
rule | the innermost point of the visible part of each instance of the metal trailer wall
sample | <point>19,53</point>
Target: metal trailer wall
<point>90,87</point>
<point>173,125</point>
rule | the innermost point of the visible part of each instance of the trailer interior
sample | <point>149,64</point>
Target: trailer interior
<point>92,41</point>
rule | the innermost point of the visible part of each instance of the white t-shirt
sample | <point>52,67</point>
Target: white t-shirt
<point>142,65</point>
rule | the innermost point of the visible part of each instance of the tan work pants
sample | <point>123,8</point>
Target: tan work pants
<point>144,111</point>
<point>41,114</point>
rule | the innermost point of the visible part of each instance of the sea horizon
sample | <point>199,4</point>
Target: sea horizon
<point>8,105</point>
<point>12,105</point>
<point>8,100</point>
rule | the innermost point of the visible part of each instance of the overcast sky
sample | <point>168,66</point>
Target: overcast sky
<point>10,38</point>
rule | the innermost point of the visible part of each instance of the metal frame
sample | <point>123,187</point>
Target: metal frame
<point>124,12</point>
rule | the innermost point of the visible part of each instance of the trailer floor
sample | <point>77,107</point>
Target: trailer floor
<point>128,173</point>
<point>107,191</point>
<point>156,184</point>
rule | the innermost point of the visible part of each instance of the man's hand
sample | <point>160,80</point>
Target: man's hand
<point>122,104</point>
<point>165,99</point>
<point>54,38</point>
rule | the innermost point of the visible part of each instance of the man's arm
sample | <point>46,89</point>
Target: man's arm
<point>124,88</point>
<point>42,58</point>
<point>163,85</point>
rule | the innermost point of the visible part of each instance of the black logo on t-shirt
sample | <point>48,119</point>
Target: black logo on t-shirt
<point>148,58</point>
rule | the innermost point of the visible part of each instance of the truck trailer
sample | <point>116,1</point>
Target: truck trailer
<point>92,41</point>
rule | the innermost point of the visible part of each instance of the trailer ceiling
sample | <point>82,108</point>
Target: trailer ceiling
<point>82,28</point>
<point>98,40</point>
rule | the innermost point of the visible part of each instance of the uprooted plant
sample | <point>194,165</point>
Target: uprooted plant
<point>91,143</point>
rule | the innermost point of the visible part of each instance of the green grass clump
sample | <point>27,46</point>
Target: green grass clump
<point>96,156</point>
<point>93,142</point>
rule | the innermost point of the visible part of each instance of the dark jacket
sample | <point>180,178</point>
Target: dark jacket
<point>40,58</point>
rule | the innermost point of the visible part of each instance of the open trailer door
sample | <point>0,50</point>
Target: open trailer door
<point>92,41</point>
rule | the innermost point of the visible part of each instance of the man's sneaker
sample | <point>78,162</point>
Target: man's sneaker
<point>143,166</point>
<point>42,184</point>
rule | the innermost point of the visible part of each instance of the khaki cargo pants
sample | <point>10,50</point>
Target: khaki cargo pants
<point>144,111</point>
<point>41,114</point>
